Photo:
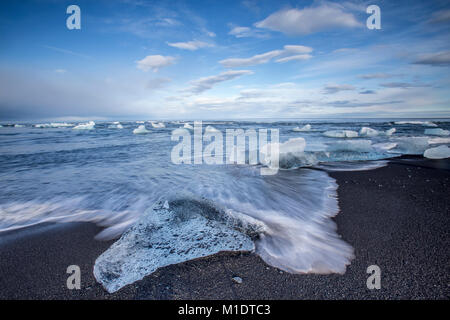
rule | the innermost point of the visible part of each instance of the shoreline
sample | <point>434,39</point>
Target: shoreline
<point>396,217</point>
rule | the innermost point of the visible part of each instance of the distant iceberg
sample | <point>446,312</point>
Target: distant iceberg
<point>341,134</point>
<point>437,132</point>
<point>303,129</point>
<point>115,125</point>
<point>141,130</point>
<point>211,129</point>
<point>85,126</point>
<point>188,126</point>
<point>441,152</point>
<point>158,125</point>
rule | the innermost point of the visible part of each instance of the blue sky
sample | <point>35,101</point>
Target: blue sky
<point>138,59</point>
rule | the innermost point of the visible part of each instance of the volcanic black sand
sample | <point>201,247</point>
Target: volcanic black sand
<point>396,217</point>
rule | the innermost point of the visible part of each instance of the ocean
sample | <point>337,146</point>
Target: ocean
<point>122,177</point>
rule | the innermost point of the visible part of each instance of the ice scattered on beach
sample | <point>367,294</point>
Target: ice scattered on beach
<point>303,129</point>
<point>441,152</point>
<point>141,130</point>
<point>341,134</point>
<point>437,132</point>
<point>411,145</point>
<point>163,237</point>
<point>85,126</point>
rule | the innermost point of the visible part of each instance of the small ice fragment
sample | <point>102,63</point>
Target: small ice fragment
<point>166,205</point>
<point>440,152</point>
<point>237,280</point>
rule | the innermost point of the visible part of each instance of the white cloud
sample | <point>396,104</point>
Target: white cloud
<point>154,62</point>
<point>379,75</point>
<point>256,59</point>
<point>309,20</point>
<point>289,53</point>
<point>190,45</point>
<point>297,57</point>
<point>246,32</point>
<point>334,88</point>
<point>206,83</point>
<point>297,49</point>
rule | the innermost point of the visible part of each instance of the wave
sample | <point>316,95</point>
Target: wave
<point>270,214</point>
<point>423,123</point>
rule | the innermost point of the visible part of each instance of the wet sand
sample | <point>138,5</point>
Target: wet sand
<point>396,217</point>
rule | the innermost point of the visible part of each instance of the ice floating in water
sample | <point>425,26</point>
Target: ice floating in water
<point>437,132</point>
<point>351,146</point>
<point>53,125</point>
<point>211,129</point>
<point>440,152</point>
<point>411,145</point>
<point>158,125</point>
<point>140,122</point>
<point>85,126</point>
<point>19,126</point>
<point>390,132</point>
<point>384,146</point>
<point>163,237</point>
<point>115,125</point>
<point>291,154</point>
<point>368,132</point>
<point>341,134</point>
<point>303,129</point>
<point>188,126</point>
<point>438,140</point>
<point>141,130</point>
<point>423,123</point>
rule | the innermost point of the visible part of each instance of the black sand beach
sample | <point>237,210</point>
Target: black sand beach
<point>397,217</point>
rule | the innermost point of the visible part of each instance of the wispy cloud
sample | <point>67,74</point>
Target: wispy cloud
<point>442,16</point>
<point>65,51</point>
<point>434,59</point>
<point>154,62</point>
<point>309,20</point>
<point>379,75</point>
<point>334,88</point>
<point>190,45</point>
<point>246,32</point>
<point>206,83</point>
<point>289,53</point>
<point>404,85</point>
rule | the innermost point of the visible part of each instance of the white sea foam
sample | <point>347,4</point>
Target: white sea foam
<point>54,125</point>
<point>423,123</point>
<point>305,128</point>
<point>341,134</point>
<point>368,132</point>
<point>437,132</point>
<point>141,130</point>
<point>441,152</point>
<point>85,126</point>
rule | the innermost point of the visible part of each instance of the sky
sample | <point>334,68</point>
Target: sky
<point>247,59</point>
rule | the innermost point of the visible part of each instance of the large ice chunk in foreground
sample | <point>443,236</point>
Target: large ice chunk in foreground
<point>440,152</point>
<point>163,237</point>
